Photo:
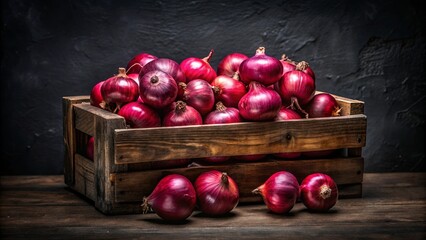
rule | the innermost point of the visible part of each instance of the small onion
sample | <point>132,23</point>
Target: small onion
<point>180,114</point>
<point>217,193</point>
<point>223,114</point>
<point>196,68</point>
<point>261,68</point>
<point>119,90</point>
<point>230,64</point>
<point>288,64</point>
<point>307,69</point>
<point>173,198</point>
<point>279,192</point>
<point>157,89</point>
<point>139,115</point>
<point>318,192</point>
<point>96,98</point>
<point>323,105</point>
<point>199,94</point>
<point>228,90</point>
<point>136,64</point>
<point>259,103</point>
<point>166,65</point>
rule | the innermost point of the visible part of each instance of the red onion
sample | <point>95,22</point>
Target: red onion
<point>323,105</point>
<point>279,192</point>
<point>199,94</point>
<point>139,115</point>
<point>307,69</point>
<point>287,114</point>
<point>96,98</point>
<point>230,65</point>
<point>173,199</point>
<point>261,68</point>
<point>181,115</point>
<point>318,192</point>
<point>166,65</point>
<point>288,65</point>
<point>251,158</point>
<point>228,90</point>
<point>259,103</point>
<point>217,193</point>
<point>157,89</point>
<point>90,148</point>
<point>296,88</point>
<point>119,90</point>
<point>136,64</point>
<point>195,68</point>
<point>223,114</point>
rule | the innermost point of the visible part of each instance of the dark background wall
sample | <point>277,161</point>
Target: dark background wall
<point>373,51</point>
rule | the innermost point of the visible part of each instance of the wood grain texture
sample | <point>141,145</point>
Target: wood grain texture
<point>42,207</point>
<point>155,144</point>
<point>84,177</point>
<point>69,137</point>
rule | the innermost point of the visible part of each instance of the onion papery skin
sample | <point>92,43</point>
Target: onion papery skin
<point>199,94</point>
<point>90,148</point>
<point>307,69</point>
<point>119,90</point>
<point>318,192</point>
<point>230,64</point>
<point>251,158</point>
<point>180,114</point>
<point>139,115</point>
<point>261,68</point>
<point>283,115</point>
<point>217,193</point>
<point>136,64</point>
<point>259,103</point>
<point>228,90</point>
<point>279,192</point>
<point>196,68</point>
<point>157,89</point>
<point>96,98</point>
<point>134,76</point>
<point>173,198</point>
<point>323,105</point>
<point>288,65</point>
<point>223,114</point>
<point>166,65</point>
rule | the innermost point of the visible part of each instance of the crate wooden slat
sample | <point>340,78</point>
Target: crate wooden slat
<point>117,178</point>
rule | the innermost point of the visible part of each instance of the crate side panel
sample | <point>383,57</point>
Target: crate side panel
<point>69,138</point>
<point>130,187</point>
<point>85,176</point>
<point>145,145</point>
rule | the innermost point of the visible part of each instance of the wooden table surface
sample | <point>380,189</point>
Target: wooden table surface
<point>393,206</point>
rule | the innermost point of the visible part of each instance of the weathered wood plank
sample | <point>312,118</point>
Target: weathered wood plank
<point>155,144</point>
<point>85,176</point>
<point>133,186</point>
<point>69,135</point>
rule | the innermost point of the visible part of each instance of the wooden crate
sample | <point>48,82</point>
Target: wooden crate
<point>116,182</point>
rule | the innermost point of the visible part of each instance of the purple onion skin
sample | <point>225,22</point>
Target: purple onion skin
<point>180,114</point>
<point>230,64</point>
<point>323,105</point>
<point>139,115</point>
<point>119,89</point>
<point>296,84</point>
<point>136,64</point>
<point>199,95</point>
<point>96,96</point>
<point>173,199</point>
<point>166,65</point>
<point>217,193</point>
<point>196,68</point>
<point>157,89</point>
<point>259,103</point>
<point>223,114</point>
<point>261,68</point>
<point>318,192</point>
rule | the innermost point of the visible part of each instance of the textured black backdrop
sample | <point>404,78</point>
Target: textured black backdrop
<point>373,51</point>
